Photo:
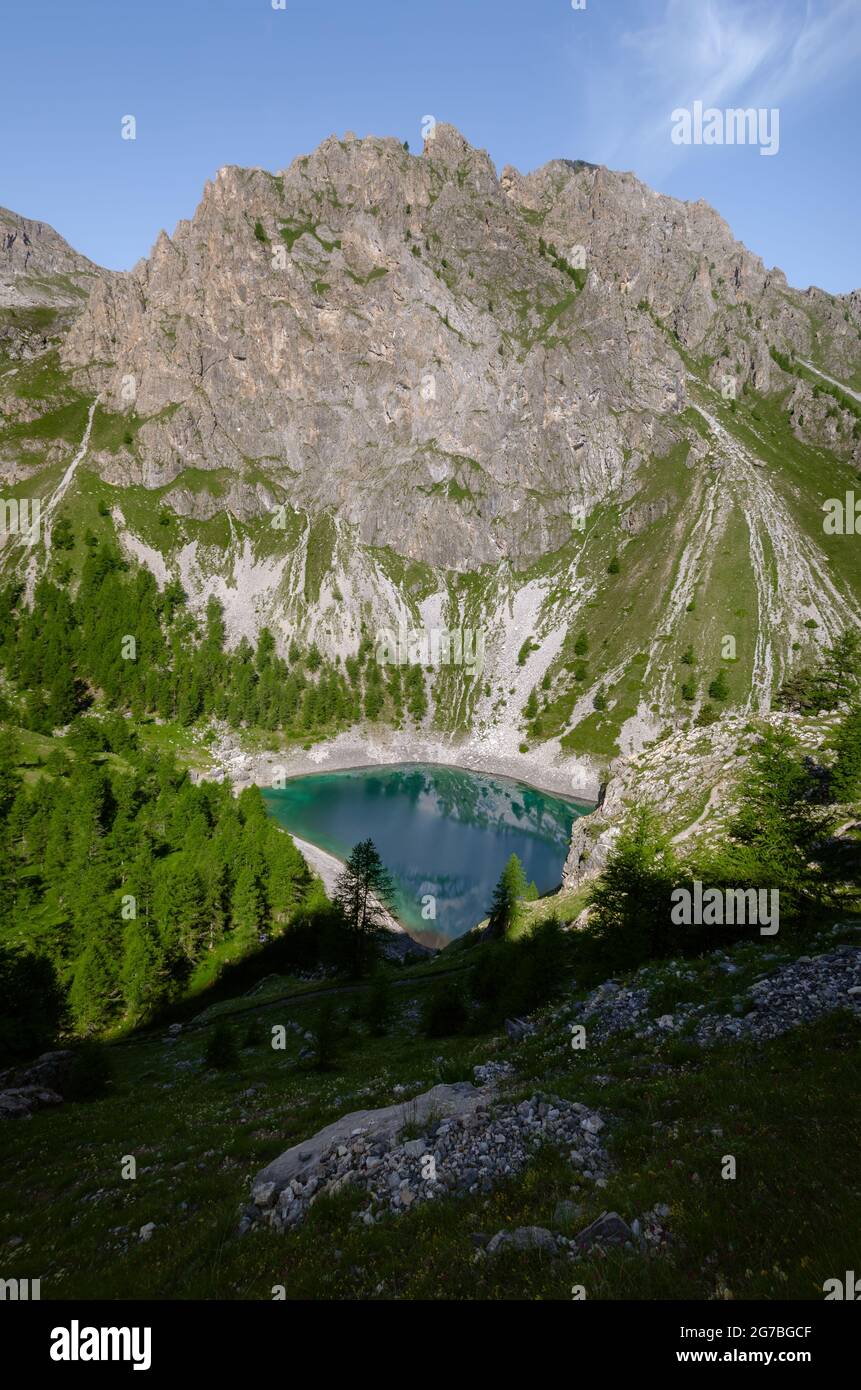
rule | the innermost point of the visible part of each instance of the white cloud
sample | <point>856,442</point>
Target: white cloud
<point>720,52</point>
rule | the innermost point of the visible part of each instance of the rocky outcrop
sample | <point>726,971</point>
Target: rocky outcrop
<point>461,1139</point>
<point>451,388</point>
<point>24,1090</point>
<point>38,268</point>
<point>689,777</point>
<point>800,992</point>
<point>19,1102</point>
<point>366,317</point>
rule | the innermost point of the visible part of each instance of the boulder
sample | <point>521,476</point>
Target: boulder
<point>21,1101</point>
<point>50,1071</point>
<point>376,1126</point>
<point>608,1229</point>
<point>523,1238</point>
<point>518,1029</point>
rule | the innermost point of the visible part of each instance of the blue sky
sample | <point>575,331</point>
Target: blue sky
<point>214,82</point>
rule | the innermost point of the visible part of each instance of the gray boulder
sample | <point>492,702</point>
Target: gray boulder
<point>523,1238</point>
<point>21,1101</point>
<point>375,1126</point>
<point>608,1229</point>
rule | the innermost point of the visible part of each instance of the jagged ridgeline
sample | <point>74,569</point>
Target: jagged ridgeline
<point>384,392</point>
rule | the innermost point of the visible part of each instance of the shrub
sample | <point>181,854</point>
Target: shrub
<point>444,1011</point>
<point>707,715</point>
<point>31,1004</point>
<point>90,1072</point>
<point>221,1050</point>
<point>380,1003</point>
<point>325,1034</point>
<point>254,1033</point>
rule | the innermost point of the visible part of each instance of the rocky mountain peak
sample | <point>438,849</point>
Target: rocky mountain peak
<point>469,393</point>
<point>37,267</point>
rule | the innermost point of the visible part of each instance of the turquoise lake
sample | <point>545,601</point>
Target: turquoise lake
<point>440,831</point>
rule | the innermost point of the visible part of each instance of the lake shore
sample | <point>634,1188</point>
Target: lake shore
<point>574,778</point>
<point>328,869</point>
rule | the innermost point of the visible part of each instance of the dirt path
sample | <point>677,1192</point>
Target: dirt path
<point>825,377</point>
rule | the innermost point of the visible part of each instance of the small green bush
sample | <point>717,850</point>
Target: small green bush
<point>90,1072</point>
<point>221,1051</point>
<point>444,1011</point>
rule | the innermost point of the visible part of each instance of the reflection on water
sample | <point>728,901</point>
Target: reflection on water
<point>440,831</point>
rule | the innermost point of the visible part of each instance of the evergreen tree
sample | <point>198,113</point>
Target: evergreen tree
<point>508,894</point>
<point>630,904</point>
<point>31,1004</point>
<point>141,973</point>
<point>778,823</point>
<point>380,1003</point>
<point>846,772</point>
<point>93,992</point>
<point>179,900</point>
<point>248,907</point>
<point>222,1052</point>
<point>363,890</point>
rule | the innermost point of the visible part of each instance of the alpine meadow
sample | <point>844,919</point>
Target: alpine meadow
<point>430,670</point>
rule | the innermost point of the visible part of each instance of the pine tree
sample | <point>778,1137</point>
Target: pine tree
<point>630,903</point>
<point>31,1004</point>
<point>141,973</point>
<point>179,911</point>
<point>508,894</point>
<point>778,823</point>
<point>248,908</point>
<point>9,778</point>
<point>94,989</point>
<point>363,890</point>
<point>840,676</point>
<point>846,771</point>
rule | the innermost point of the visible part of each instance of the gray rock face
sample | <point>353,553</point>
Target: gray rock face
<point>366,317</point>
<point>375,1126</point>
<point>523,1238</point>
<point>39,1084</point>
<point>608,1229</point>
<point>19,1102</point>
<point>471,1141</point>
<point>439,372</point>
<point>39,268</point>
